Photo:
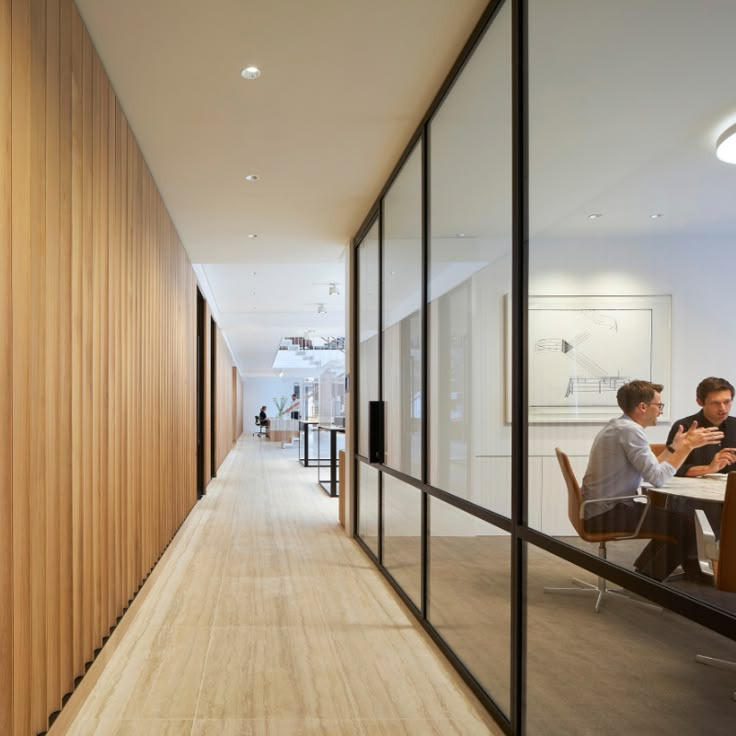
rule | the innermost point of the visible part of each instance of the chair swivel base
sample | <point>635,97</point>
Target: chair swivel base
<point>602,589</point>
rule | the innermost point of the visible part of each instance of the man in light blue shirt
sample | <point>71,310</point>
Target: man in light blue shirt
<point>621,459</point>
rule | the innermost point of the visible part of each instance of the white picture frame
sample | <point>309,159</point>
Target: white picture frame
<point>582,348</point>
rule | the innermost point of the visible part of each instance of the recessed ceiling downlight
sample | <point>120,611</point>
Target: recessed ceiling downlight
<point>726,145</point>
<point>250,72</point>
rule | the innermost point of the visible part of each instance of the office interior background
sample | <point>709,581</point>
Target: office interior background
<point>566,165</point>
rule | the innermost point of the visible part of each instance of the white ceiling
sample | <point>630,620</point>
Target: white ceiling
<point>626,102</point>
<point>344,84</point>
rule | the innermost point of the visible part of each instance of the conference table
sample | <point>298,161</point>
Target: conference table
<point>710,487</point>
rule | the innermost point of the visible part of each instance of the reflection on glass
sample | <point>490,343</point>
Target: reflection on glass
<point>582,667</point>
<point>402,325</point>
<point>469,588</point>
<point>402,535</point>
<point>332,395</point>
<point>368,332</point>
<point>600,297</point>
<point>368,505</point>
<point>470,277</point>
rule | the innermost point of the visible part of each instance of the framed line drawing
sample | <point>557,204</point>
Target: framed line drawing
<point>583,348</point>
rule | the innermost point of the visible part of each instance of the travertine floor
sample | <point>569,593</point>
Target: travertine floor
<point>264,618</point>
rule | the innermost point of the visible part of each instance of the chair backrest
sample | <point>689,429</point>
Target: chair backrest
<point>726,574</point>
<point>258,420</point>
<point>574,494</point>
<point>705,541</point>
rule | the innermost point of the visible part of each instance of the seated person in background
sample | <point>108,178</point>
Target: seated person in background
<point>621,458</point>
<point>263,419</point>
<point>714,396</point>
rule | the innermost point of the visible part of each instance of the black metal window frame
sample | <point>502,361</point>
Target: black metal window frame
<point>698,611</point>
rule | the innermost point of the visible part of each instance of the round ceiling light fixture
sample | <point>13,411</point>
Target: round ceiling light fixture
<point>251,177</point>
<point>726,145</point>
<point>250,72</point>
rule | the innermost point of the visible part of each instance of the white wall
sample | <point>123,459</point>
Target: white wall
<point>260,391</point>
<point>697,275</point>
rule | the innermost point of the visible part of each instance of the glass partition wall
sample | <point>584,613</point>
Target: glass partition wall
<point>558,226</point>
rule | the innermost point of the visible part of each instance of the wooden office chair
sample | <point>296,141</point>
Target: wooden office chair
<point>575,507</point>
<point>718,558</point>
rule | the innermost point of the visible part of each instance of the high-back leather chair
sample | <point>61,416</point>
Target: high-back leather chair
<point>575,506</point>
<point>718,558</point>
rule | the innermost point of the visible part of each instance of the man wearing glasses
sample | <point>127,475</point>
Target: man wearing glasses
<point>620,459</point>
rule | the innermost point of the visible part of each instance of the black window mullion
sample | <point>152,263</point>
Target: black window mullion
<point>425,370</point>
<point>380,369</point>
<point>519,429</point>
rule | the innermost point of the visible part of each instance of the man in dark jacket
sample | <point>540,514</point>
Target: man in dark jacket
<point>715,397</point>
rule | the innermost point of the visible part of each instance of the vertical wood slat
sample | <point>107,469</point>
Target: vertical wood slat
<point>88,501</point>
<point>37,358</point>
<point>6,376</point>
<point>21,308</point>
<point>64,362</point>
<point>98,342</point>
<point>113,369</point>
<point>76,340</point>
<point>52,387</point>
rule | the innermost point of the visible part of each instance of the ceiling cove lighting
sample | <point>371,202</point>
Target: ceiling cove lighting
<point>726,145</point>
<point>250,72</point>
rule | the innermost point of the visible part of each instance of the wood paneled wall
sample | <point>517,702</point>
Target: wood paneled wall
<point>238,399</point>
<point>207,398</point>
<point>228,387</point>
<point>6,395</point>
<point>97,362</point>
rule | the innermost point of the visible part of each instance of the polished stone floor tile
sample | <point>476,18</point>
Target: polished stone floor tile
<point>137,727</point>
<point>277,727</point>
<point>278,601</point>
<point>263,619</point>
<point>262,671</point>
